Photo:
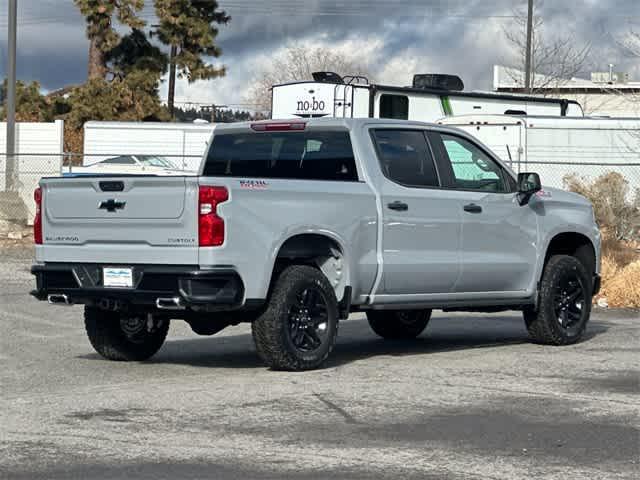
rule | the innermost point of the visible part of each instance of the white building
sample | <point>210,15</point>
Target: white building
<point>610,93</point>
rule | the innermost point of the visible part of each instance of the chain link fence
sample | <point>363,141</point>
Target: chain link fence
<point>17,183</point>
<point>16,194</point>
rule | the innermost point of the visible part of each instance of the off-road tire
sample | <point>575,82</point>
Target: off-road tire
<point>109,340</point>
<point>271,329</point>
<point>543,324</point>
<point>398,324</point>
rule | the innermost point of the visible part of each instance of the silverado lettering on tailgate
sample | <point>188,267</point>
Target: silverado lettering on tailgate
<point>63,239</point>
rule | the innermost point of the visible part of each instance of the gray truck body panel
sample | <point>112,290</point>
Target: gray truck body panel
<point>434,253</point>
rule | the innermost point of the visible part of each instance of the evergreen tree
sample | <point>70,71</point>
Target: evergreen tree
<point>99,15</point>
<point>31,105</point>
<point>190,28</point>
<point>135,52</point>
<point>132,98</point>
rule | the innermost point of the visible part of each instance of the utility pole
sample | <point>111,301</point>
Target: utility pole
<point>172,79</point>
<point>10,165</point>
<point>527,64</point>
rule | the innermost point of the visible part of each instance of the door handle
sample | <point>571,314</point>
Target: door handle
<point>473,208</point>
<point>398,206</point>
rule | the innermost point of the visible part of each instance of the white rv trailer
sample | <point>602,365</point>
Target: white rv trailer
<point>430,98</point>
<point>554,147</point>
<point>182,143</point>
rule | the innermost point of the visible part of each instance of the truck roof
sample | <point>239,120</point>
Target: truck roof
<point>348,123</point>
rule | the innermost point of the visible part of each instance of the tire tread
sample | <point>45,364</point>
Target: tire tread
<point>106,337</point>
<point>268,330</point>
<point>541,324</point>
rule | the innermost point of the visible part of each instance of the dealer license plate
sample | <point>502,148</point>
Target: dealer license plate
<point>117,277</point>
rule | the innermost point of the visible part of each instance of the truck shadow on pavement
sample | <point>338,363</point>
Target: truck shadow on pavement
<point>357,342</point>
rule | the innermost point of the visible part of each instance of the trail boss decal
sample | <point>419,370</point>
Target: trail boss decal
<point>253,184</point>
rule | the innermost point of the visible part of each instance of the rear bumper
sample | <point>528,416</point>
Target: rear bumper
<point>213,289</point>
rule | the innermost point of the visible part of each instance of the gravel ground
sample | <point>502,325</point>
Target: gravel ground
<point>469,399</point>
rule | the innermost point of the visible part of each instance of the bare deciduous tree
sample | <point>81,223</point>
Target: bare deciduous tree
<point>632,43</point>
<point>553,61</point>
<point>298,63</point>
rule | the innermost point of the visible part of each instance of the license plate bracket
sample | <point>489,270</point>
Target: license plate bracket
<point>117,277</point>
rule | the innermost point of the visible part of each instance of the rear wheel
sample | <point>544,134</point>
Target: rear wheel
<point>565,303</point>
<point>298,329</point>
<point>117,336</point>
<point>398,324</point>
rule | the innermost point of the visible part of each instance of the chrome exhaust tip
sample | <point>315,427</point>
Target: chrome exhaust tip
<point>173,303</point>
<point>58,299</point>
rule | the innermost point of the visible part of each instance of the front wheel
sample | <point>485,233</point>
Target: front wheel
<point>564,305</point>
<point>398,324</point>
<point>117,336</point>
<point>298,329</point>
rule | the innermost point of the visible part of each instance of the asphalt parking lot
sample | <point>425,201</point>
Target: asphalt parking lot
<point>469,399</point>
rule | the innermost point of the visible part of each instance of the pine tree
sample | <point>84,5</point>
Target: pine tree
<point>31,105</point>
<point>135,52</point>
<point>190,28</point>
<point>99,15</point>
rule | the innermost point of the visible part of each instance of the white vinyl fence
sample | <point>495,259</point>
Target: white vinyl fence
<point>39,151</point>
<point>181,143</point>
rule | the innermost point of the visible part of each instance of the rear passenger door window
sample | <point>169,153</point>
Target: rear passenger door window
<point>405,157</point>
<point>470,167</point>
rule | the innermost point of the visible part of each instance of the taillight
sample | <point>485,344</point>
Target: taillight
<point>278,126</point>
<point>210,225</point>
<point>37,221</point>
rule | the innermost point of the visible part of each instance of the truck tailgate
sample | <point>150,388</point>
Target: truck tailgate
<point>120,219</point>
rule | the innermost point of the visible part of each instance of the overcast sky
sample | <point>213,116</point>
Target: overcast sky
<point>394,38</point>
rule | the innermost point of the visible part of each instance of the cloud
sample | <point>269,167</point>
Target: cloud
<point>395,39</point>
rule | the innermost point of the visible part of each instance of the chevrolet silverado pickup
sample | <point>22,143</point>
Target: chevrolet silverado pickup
<point>292,225</point>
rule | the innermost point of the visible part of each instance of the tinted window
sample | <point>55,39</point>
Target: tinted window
<point>394,106</point>
<point>298,155</point>
<point>472,168</point>
<point>405,157</point>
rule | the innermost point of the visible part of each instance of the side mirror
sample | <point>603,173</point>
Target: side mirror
<point>528,184</point>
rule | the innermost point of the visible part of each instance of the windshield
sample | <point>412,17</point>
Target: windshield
<point>155,161</point>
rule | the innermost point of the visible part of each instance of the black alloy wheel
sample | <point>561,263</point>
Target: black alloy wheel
<point>308,320</point>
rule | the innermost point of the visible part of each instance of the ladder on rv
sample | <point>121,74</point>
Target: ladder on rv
<point>343,95</point>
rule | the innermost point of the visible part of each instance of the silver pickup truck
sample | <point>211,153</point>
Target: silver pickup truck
<point>293,225</point>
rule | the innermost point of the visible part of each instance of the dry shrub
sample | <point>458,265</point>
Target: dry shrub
<point>621,286</point>
<point>620,253</point>
<point>612,204</point>
<point>609,269</point>
<point>620,271</point>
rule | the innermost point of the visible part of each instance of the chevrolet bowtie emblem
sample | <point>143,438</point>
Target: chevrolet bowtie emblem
<point>111,205</point>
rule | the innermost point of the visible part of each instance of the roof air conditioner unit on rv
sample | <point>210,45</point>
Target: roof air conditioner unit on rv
<point>438,81</point>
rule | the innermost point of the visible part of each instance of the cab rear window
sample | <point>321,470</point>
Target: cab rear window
<point>304,155</point>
